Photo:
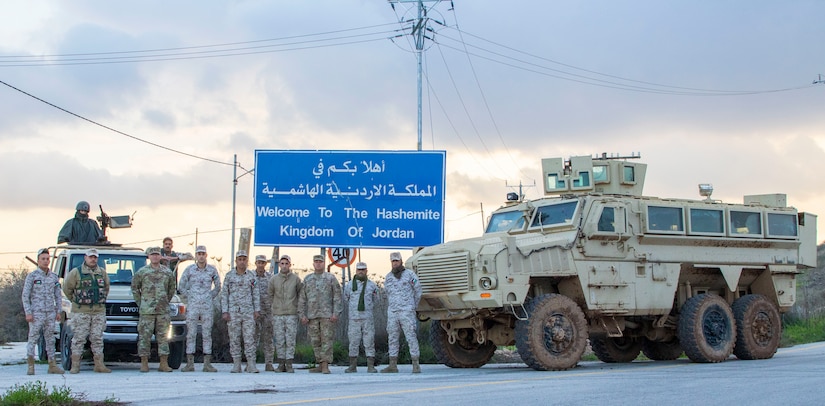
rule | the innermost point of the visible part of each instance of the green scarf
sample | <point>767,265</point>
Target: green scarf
<point>355,280</point>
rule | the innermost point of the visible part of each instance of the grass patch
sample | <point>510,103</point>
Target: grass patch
<point>36,393</point>
<point>803,331</point>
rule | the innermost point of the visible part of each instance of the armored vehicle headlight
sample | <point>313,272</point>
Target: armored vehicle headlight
<point>488,283</point>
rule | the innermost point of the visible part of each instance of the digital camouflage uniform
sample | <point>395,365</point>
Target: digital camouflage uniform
<point>87,288</point>
<point>153,289</point>
<point>200,287</point>
<point>284,290</point>
<point>319,300</point>
<point>361,325</point>
<point>263,326</point>
<point>241,299</point>
<point>41,299</point>
<point>403,295</point>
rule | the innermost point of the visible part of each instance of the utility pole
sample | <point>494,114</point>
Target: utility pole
<point>520,188</point>
<point>819,81</point>
<point>419,31</point>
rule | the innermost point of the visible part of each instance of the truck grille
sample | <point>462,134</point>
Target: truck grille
<point>123,309</point>
<point>444,272</point>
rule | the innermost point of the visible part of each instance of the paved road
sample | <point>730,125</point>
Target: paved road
<point>795,376</point>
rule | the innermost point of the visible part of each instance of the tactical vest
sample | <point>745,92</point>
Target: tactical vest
<point>90,289</point>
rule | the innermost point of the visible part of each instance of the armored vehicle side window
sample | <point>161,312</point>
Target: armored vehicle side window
<point>706,221</point>
<point>554,214</point>
<point>665,219</point>
<point>583,181</point>
<point>600,174</point>
<point>745,223</point>
<point>554,182</point>
<point>628,174</point>
<point>506,221</point>
<point>607,219</point>
<point>781,225</point>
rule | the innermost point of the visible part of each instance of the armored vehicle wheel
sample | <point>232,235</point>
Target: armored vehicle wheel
<point>466,352</point>
<point>175,354</point>
<point>555,334</point>
<point>706,328</point>
<point>615,349</point>
<point>66,347</point>
<point>758,327</point>
<point>662,350</point>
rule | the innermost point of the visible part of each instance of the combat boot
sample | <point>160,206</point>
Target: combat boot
<point>392,367</point>
<point>416,367</point>
<point>236,367</point>
<point>316,370</point>
<point>371,365</point>
<point>207,364</point>
<point>53,368</point>
<point>164,364</point>
<point>30,362</point>
<point>250,366</point>
<point>325,367</point>
<point>281,366</point>
<point>353,365</point>
<point>288,366</point>
<point>144,364</point>
<point>190,363</point>
<point>269,367</point>
<point>99,366</point>
<point>75,364</point>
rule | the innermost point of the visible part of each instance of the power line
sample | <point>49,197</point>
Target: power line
<point>114,130</point>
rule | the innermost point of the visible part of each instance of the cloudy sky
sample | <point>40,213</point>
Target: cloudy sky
<point>141,105</point>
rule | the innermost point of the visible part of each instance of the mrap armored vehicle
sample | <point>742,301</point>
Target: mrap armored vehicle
<point>596,259</point>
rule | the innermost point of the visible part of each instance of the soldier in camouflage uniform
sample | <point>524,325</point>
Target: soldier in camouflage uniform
<point>153,287</point>
<point>263,325</point>
<point>200,284</point>
<point>241,306</point>
<point>284,288</point>
<point>403,294</point>
<point>319,305</point>
<point>87,288</point>
<point>360,295</point>
<point>41,304</point>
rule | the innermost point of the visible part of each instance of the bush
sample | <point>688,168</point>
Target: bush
<point>13,326</point>
<point>35,393</point>
<point>801,331</point>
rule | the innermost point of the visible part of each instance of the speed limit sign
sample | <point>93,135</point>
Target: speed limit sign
<point>341,257</point>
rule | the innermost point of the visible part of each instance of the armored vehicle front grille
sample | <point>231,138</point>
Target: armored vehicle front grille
<point>444,272</point>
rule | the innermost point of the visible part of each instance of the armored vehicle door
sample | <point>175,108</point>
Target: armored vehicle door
<point>605,230</point>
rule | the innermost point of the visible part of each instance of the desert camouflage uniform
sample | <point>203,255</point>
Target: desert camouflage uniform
<point>263,326</point>
<point>88,319</point>
<point>319,300</point>
<point>241,299</point>
<point>41,299</point>
<point>361,325</point>
<point>200,287</point>
<point>283,291</point>
<point>153,289</point>
<point>403,295</point>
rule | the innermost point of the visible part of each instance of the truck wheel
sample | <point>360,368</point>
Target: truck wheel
<point>175,354</point>
<point>66,347</point>
<point>662,350</point>
<point>554,336</point>
<point>706,328</point>
<point>466,352</point>
<point>758,327</point>
<point>615,349</point>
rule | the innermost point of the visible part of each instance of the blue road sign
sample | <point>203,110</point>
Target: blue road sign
<point>366,199</point>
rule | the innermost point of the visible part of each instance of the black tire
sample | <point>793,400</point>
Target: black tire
<point>615,349</point>
<point>466,352</point>
<point>176,350</point>
<point>66,347</point>
<point>706,329</point>
<point>758,327</point>
<point>41,349</point>
<point>662,350</point>
<point>554,336</point>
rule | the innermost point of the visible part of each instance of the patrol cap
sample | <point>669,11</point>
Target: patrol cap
<point>153,250</point>
<point>241,253</point>
<point>395,256</point>
<point>260,258</point>
<point>200,248</point>
<point>286,257</point>
<point>42,251</point>
<point>361,265</point>
<point>91,252</point>
<point>317,257</point>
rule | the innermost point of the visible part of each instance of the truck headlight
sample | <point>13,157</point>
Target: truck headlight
<point>488,283</point>
<point>177,309</point>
